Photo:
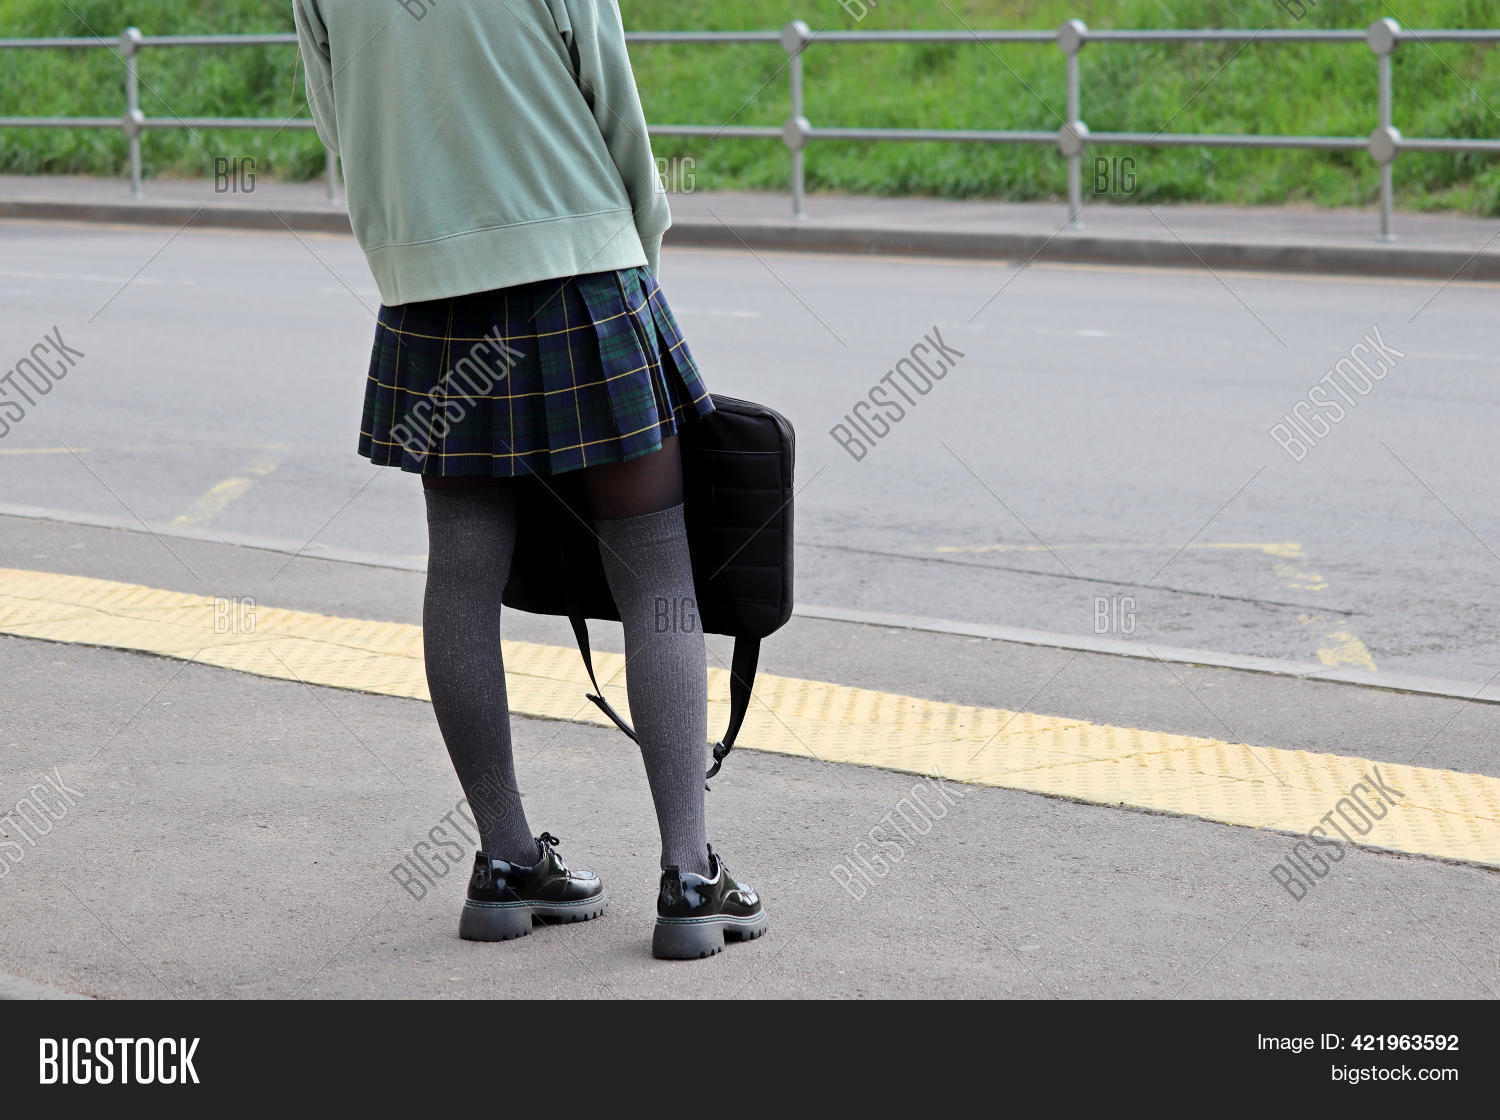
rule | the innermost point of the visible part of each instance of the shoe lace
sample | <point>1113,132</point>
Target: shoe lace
<point>549,845</point>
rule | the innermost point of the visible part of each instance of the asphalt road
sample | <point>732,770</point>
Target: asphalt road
<point>1098,460</point>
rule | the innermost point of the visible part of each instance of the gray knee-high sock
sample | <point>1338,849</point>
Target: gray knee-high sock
<point>650,574</point>
<point>471,533</point>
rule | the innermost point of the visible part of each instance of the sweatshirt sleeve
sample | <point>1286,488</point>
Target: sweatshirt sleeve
<point>317,61</point>
<point>595,37</point>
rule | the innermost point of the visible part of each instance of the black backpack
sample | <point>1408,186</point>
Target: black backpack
<point>737,482</point>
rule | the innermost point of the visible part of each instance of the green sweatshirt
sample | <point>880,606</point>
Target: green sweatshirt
<point>485,143</point>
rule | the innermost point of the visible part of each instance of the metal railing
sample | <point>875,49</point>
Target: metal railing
<point>130,44</point>
<point>1384,143</point>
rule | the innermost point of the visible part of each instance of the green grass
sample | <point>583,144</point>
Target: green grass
<point>1444,90</point>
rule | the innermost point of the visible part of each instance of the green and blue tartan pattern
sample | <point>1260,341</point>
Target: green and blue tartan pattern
<point>539,378</point>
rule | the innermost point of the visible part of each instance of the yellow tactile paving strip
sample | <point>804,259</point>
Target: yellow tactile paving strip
<point>1439,813</point>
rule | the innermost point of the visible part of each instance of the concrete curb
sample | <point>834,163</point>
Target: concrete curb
<point>1364,260</point>
<point>1468,691</point>
<point>180,215</point>
<point>1428,261</point>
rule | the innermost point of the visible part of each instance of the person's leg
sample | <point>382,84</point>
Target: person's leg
<point>471,532</point>
<point>638,515</point>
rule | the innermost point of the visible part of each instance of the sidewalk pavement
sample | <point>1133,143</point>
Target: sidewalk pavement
<point>1230,237</point>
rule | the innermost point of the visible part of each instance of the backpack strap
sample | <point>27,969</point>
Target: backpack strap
<point>741,683</point>
<point>581,634</point>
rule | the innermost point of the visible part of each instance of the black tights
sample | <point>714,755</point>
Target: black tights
<point>645,485</point>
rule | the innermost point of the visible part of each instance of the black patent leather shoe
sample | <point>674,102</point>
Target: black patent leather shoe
<point>694,915</point>
<point>505,897</point>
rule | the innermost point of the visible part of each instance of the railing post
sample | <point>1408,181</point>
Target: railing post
<point>1072,138</point>
<point>1385,141</point>
<point>130,46</point>
<point>795,36</point>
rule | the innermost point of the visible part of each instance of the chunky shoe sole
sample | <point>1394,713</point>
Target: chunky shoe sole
<point>504,921</point>
<point>686,939</point>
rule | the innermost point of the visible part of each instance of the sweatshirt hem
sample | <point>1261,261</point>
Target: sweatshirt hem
<point>507,256</point>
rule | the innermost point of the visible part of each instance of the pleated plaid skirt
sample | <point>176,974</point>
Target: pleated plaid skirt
<point>540,378</point>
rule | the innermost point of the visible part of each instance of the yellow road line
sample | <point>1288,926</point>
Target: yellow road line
<point>1343,647</point>
<point>213,502</point>
<point>1438,813</point>
<point>1337,644</point>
